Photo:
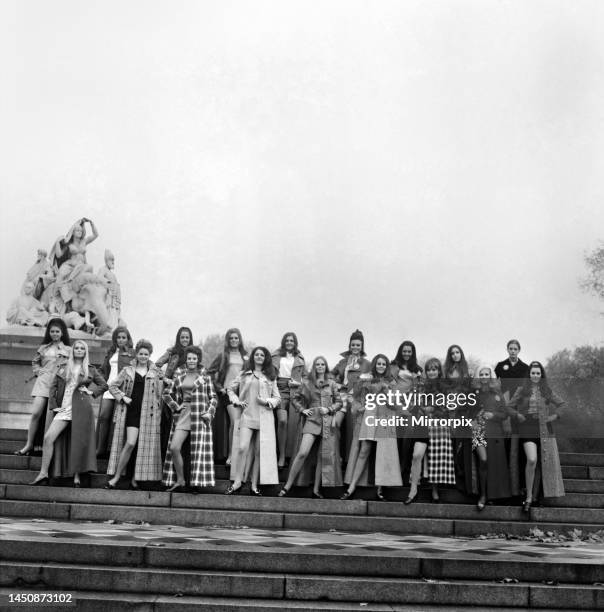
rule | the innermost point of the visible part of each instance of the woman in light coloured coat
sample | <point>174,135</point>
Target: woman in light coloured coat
<point>318,402</point>
<point>138,392</point>
<point>52,353</point>
<point>371,437</point>
<point>255,390</point>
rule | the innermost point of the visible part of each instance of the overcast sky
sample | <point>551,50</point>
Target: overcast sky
<point>421,170</point>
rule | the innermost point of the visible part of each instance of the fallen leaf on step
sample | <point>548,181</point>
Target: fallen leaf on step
<point>509,581</point>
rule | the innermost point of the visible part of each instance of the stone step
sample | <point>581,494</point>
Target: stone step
<point>300,587</point>
<point>100,601</point>
<point>589,459</point>
<point>583,486</point>
<point>559,520</point>
<point>297,560</point>
<point>575,471</point>
<point>577,500</point>
<point>11,433</point>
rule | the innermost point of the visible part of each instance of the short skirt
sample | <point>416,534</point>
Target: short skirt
<point>43,383</point>
<point>184,419</point>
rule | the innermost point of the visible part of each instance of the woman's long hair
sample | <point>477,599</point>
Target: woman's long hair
<point>178,348</point>
<point>461,366</point>
<point>57,322</point>
<point>546,390</point>
<point>224,356</point>
<point>282,350</point>
<point>312,375</point>
<point>412,364</point>
<point>119,330</point>
<point>70,367</point>
<point>267,365</point>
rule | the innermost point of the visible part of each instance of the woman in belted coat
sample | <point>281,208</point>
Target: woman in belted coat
<point>346,373</point>
<point>371,437</point>
<point>290,367</point>
<point>138,393</point>
<point>535,407</point>
<point>70,438</point>
<point>255,390</point>
<point>318,401</point>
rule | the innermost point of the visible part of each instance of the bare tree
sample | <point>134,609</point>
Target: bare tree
<point>594,281</point>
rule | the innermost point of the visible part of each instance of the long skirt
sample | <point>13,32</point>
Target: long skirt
<point>441,469</point>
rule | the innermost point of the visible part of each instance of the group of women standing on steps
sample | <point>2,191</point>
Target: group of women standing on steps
<point>259,410</point>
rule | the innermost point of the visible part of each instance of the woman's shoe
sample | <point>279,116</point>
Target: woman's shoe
<point>175,488</point>
<point>134,487</point>
<point>110,486</point>
<point>283,493</point>
<point>228,461</point>
<point>256,492</point>
<point>232,491</point>
<point>317,495</point>
<point>381,496</point>
<point>42,482</point>
<point>436,500</point>
<point>347,495</point>
<point>480,505</point>
<point>410,500</point>
<point>77,484</point>
<point>21,453</point>
<point>526,506</point>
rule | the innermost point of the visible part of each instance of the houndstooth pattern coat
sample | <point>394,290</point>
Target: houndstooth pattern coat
<point>203,403</point>
<point>148,457</point>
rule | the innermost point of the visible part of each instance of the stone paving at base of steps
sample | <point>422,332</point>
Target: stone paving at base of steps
<point>316,541</point>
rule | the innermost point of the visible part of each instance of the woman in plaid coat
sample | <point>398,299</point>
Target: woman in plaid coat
<point>137,391</point>
<point>441,468</point>
<point>191,397</point>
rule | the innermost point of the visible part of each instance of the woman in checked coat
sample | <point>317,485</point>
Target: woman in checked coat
<point>191,397</point>
<point>137,391</point>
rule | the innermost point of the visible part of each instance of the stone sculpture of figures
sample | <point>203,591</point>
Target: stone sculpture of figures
<point>26,309</point>
<point>40,274</point>
<point>114,292</point>
<point>69,255</point>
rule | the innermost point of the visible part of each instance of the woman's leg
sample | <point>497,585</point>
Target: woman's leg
<point>245,438</point>
<point>131,438</point>
<point>282,413</point>
<point>305,445</point>
<point>234,416</point>
<point>435,495</point>
<point>53,432</point>
<point>419,450</point>
<point>318,473</point>
<point>38,404</point>
<point>530,450</point>
<point>360,464</point>
<point>103,425</point>
<point>256,467</point>
<point>178,439</point>
<point>481,451</point>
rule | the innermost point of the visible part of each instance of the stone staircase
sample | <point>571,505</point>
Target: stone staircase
<point>112,575</point>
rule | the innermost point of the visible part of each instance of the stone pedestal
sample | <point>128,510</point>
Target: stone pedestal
<point>18,346</point>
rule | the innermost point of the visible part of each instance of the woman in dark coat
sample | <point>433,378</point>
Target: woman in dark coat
<point>534,406</point>
<point>119,355</point>
<point>488,440</point>
<point>74,451</point>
